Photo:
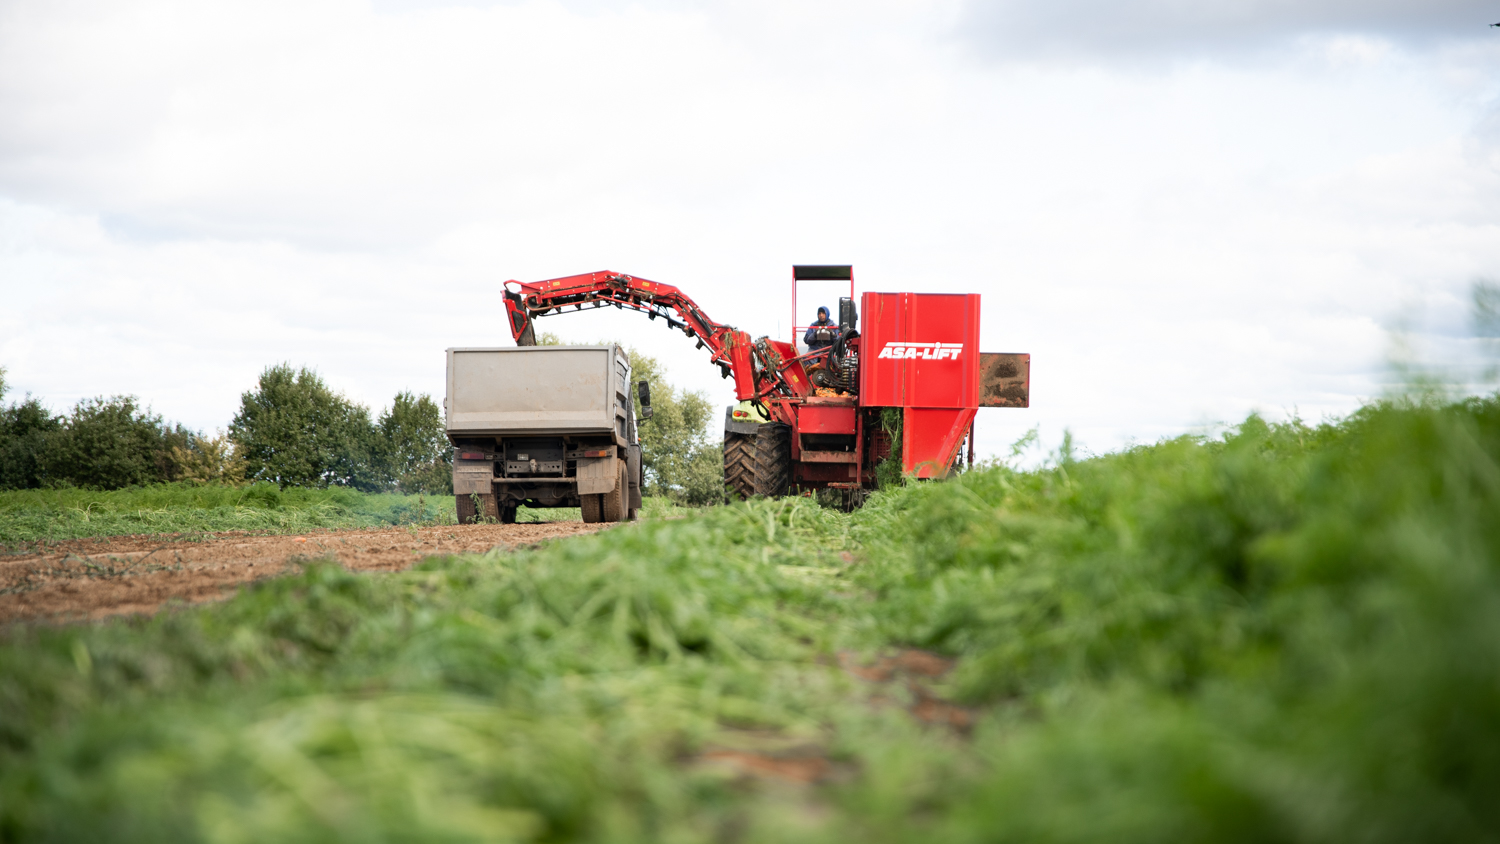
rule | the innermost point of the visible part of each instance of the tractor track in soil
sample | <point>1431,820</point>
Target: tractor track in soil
<point>85,579</point>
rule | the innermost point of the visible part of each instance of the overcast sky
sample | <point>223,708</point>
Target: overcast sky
<point>1185,211</point>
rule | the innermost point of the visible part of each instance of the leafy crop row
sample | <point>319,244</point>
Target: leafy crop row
<point>1289,633</point>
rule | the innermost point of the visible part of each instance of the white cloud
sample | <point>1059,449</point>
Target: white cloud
<point>1095,29</point>
<point>191,192</point>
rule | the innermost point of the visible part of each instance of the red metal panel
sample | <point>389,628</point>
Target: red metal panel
<point>739,361</point>
<point>795,374</point>
<point>920,350</point>
<point>825,420</point>
<point>930,439</point>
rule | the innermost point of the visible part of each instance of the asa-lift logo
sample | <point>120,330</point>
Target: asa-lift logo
<point>902,350</point>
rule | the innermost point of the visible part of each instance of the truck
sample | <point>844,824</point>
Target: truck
<point>544,426</point>
<point>904,387</point>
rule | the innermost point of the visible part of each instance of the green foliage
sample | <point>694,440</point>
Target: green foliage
<point>1286,633</point>
<point>541,695</point>
<point>414,446</point>
<point>888,472</point>
<point>679,460</point>
<point>210,460</point>
<point>103,444</point>
<point>292,430</point>
<point>24,431</point>
<point>28,516</point>
<point>112,443</point>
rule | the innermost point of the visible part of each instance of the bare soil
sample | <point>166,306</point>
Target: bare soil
<point>93,578</point>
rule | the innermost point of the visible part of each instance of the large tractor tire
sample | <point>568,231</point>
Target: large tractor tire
<point>773,460</point>
<point>739,465</point>
<point>486,511</point>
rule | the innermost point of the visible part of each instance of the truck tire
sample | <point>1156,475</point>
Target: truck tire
<point>773,460</point>
<point>592,506</point>
<point>508,512</point>
<point>487,511</point>
<point>739,465</point>
<point>616,502</point>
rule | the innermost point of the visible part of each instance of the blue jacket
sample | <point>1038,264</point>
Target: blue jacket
<point>811,342</point>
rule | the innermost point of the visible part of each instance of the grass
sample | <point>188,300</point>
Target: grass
<point>29,516</point>
<point>41,515</point>
<point>1290,633</point>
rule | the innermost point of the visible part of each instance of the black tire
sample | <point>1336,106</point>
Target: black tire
<point>739,465</point>
<point>615,504</point>
<point>508,512</point>
<point>592,506</point>
<point>486,512</point>
<point>773,460</point>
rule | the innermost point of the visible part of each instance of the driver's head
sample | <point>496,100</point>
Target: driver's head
<point>822,314</point>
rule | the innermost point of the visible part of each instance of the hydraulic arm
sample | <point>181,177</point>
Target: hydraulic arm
<point>756,368</point>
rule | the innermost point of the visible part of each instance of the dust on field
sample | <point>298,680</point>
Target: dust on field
<point>93,578</point>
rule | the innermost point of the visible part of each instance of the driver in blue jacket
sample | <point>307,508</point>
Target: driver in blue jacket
<point>821,334</point>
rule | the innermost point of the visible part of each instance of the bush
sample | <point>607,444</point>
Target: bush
<point>24,429</point>
<point>110,444</point>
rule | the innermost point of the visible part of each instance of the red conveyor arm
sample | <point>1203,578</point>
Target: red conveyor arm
<point>731,348</point>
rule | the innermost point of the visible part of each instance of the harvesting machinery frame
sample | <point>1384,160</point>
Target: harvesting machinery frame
<point>909,386</point>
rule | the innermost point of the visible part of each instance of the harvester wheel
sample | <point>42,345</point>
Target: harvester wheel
<point>616,502</point>
<point>773,460</point>
<point>739,465</point>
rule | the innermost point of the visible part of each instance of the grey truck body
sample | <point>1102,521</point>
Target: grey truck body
<point>542,426</point>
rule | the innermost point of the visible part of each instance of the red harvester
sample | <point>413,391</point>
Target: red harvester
<point>824,418</point>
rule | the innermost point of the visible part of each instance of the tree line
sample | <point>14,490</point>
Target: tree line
<point>292,429</point>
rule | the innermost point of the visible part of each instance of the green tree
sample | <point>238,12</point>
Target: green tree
<point>414,445</point>
<point>292,430</point>
<point>24,429</point>
<point>679,459</point>
<point>110,443</point>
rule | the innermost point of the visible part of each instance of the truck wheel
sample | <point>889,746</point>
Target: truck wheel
<point>592,506</point>
<point>773,459</point>
<point>508,512</point>
<point>739,465</point>
<point>487,511</point>
<point>616,502</point>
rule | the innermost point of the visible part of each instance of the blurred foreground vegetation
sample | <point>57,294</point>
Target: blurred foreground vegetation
<point>1290,633</point>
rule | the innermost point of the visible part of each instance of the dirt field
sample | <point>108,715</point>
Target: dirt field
<point>93,578</point>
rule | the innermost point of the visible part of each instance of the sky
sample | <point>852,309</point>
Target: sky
<point>1186,212</point>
